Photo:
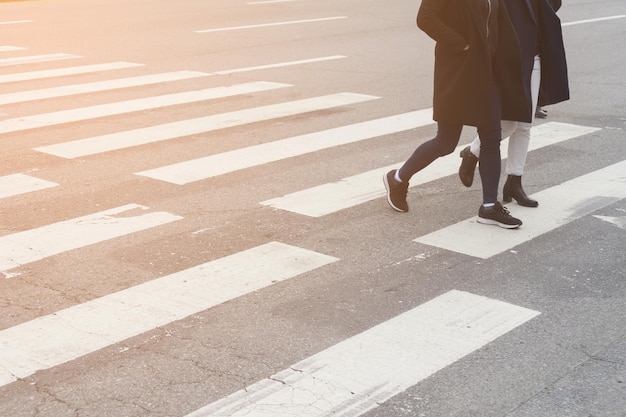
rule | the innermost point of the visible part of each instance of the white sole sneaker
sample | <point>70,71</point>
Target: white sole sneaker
<point>497,223</point>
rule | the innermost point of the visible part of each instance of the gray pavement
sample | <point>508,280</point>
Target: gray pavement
<point>567,361</point>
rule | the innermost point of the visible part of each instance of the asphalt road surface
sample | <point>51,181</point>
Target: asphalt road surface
<point>193,220</point>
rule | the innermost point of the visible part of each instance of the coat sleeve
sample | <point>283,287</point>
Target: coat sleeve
<point>430,20</point>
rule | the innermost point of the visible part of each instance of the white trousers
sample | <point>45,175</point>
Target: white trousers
<point>518,132</point>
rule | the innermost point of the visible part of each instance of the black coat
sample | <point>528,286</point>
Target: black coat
<point>462,78</point>
<point>544,33</point>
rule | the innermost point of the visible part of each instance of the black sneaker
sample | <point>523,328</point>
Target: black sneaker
<point>498,215</point>
<point>396,192</point>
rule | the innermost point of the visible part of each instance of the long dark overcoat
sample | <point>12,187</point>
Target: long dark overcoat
<point>545,33</point>
<point>463,78</point>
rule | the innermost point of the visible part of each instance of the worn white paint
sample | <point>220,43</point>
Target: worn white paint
<point>616,221</point>
<point>28,246</point>
<point>77,331</point>
<point>361,372</point>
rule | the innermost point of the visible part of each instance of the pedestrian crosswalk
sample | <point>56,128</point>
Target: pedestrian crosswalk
<point>563,203</point>
<point>31,59</point>
<point>329,198</point>
<point>16,184</point>
<point>108,85</point>
<point>364,371</point>
<point>129,106</point>
<point>94,145</point>
<point>400,352</point>
<point>32,245</point>
<point>68,334</point>
<point>61,72</point>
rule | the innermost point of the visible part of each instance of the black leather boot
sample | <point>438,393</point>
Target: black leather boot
<point>468,166</point>
<point>513,190</point>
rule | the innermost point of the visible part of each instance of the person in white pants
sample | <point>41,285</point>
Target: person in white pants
<point>544,66</point>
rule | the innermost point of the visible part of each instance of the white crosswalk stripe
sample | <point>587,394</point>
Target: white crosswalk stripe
<point>108,85</point>
<point>362,372</point>
<point>223,163</point>
<point>16,184</point>
<point>269,24</point>
<point>199,169</point>
<point>277,65</point>
<point>112,109</point>
<point>68,334</point>
<point>32,245</point>
<point>35,58</point>
<point>10,48</point>
<point>61,72</point>
<point>99,144</point>
<point>559,205</point>
<point>14,22</point>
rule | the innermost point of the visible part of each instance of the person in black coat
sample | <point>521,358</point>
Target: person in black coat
<point>477,79</point>
<point>544,71</point>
